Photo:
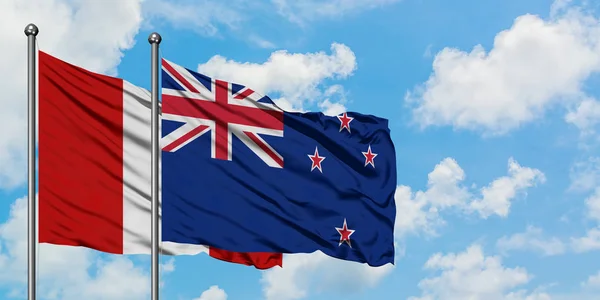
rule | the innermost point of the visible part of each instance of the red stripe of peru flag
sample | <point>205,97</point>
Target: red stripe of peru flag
<point>94,166</point>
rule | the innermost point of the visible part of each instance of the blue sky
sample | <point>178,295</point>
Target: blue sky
<point>493,108</point>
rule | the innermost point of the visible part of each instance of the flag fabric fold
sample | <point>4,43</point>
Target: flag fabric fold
<point>94,166</point>
<point>241,174</point>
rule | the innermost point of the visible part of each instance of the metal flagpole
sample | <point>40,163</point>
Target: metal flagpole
<point>31,32</point>
<point>154,40</point>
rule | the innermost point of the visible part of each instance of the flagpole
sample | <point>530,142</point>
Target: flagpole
<point>31,32</point>
<point>154,39</point>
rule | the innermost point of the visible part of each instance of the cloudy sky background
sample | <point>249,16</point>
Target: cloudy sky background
<point>493,106</point>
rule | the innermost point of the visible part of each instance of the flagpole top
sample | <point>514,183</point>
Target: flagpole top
<point>154,38</point>
<point>31,29</point>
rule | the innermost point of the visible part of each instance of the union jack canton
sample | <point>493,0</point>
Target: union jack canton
<point>221,108</point>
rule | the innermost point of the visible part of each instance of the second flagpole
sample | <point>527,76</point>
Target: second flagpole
<point>154,39</point>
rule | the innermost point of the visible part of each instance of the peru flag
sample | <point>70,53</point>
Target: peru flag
<point>94,166</point>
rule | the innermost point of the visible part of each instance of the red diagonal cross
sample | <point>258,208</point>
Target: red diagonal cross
<point>223,114</point>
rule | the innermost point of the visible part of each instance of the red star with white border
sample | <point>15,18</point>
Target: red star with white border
<point>369,157</point>
<point>345,121</point>
<point>345,234</point>
<point>316,160</point>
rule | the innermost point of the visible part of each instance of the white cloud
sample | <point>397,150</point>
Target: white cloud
<point>297,77</point>
<point>445,190</point>
<point>261,42</point>
<point>319,272</point>
<point>586,116</point>
<point>168,266</point>
<point>532,239</point>
<point>589,242</point>
<point>592,204</point>
<point>472,275</point>
<point>213,293</point>
<point>202,16</point>
<point>335,98</point>
<point>210,18</point>
<point>496,197</point>
<point>559,6</point>
<point>332,108</point>
<point>87,33</point>
<point>585,175</point>
<point>533,66</point>
<point>427,53</point>
<point>420,210</point>
<point>592,282</point>
<point>307,10</point>
<point>213,18</point>
<point>535,295</point>
<point>82,273</point>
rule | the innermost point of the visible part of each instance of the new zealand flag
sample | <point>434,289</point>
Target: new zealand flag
<point>241,174</point>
